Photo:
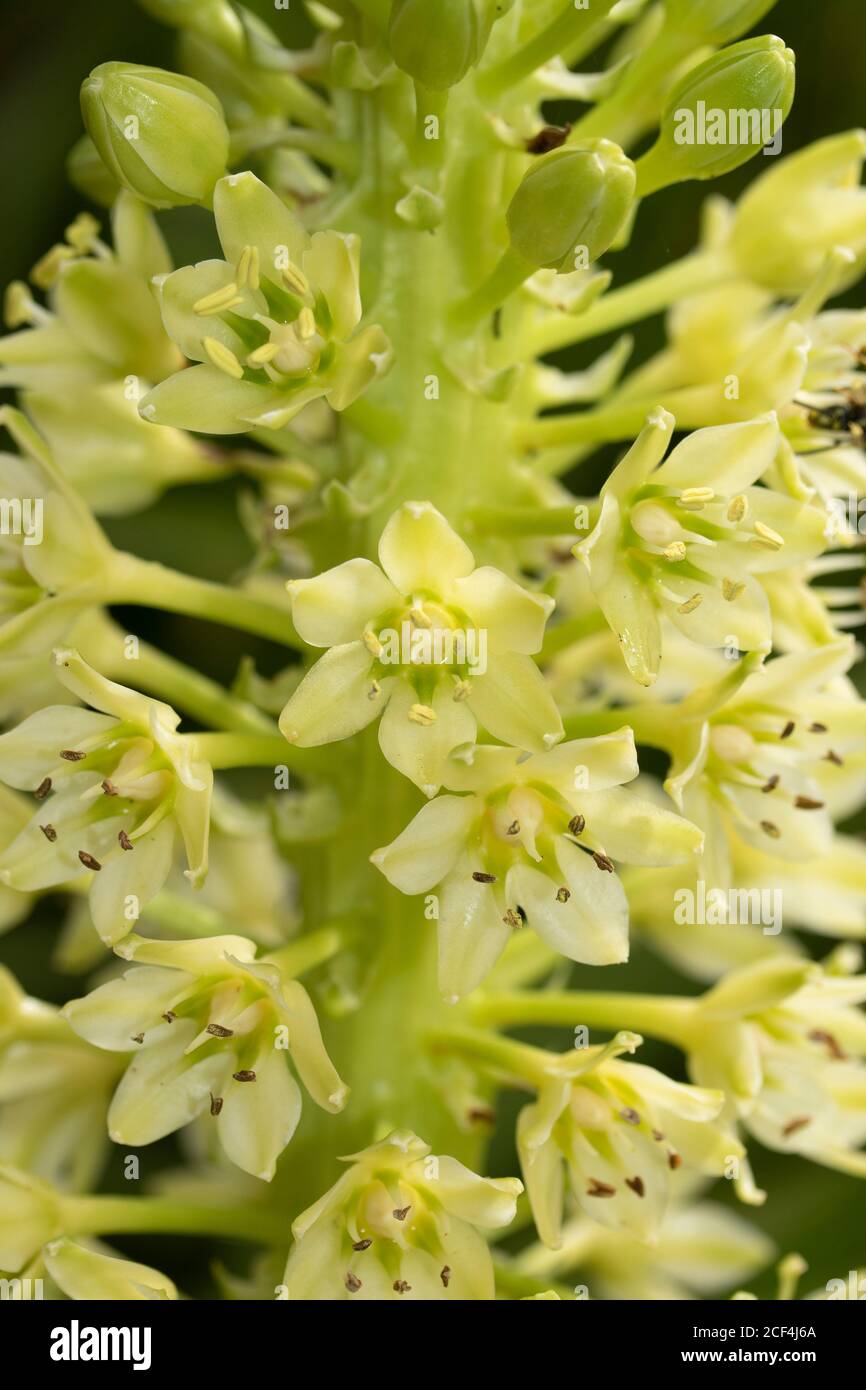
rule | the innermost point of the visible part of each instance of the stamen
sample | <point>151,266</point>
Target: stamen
<point>72,755</point>
<point>514,828</point>
<point>109,788</point>
<point>138,1038</point>
<point>771,783</point>
<point>481,877</point>
<point>462,690</point>
<point>82,233</point>
<point>562,895</point>
<point>630,1115</point>
<point>372,643</point>
<point>49,832</point>
<point>793,1125</point>
<point>511,919</point>
<point>43,789</point>
<point>223,357</point>
<point>820,1035</point>
<point>738,507</point>
<point>306,324</point>
<point>577,825</point>
<point>766,536</point>
<point>788,729</point>
<point>636,1185</point>
<point>88,861</point>
<point>603,863</point>
<point>690,604</point>
<point>817,728</point>
<point>769,828</point>
<point>731,589</point>
<point>806,803</point>
<point>400,1286</point>
<point>169,1015</point>
<point>217,300</point>
<point>46,270</point>
<point>244,1075</point>
<point>352,1282</point>
<point>375,691</point>
<point>422,714</point>
<point>445,1275</point>
<point>216,1103</point>
<point>694,498</point>
<point>674,1160</point>
<point>296,280</point>
<point>400,1213</point>
<point>248,267</point>
<point>600,1189</point>
<point>675,551</point>
<point>831,757</point>
<point>420,618</point>
<point>19,307</point>
<point>362,1244</point>
<point>124,841</point>
<point>260,355</point>
<point>217,1030</point>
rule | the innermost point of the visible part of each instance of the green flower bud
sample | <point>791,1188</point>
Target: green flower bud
<point>436,54</point>
<point>89,174</point>
<point>571,198</point>
<point>721,114</point>
<point>714,21</point>
<point>163,136</point>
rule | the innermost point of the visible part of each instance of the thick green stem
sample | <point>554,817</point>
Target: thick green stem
<point>95,1216</point>
<point>618,308</point>
<point>664,1017</point>
<point>571,27</point>
<point>149,585</point>
<point>229,750</point>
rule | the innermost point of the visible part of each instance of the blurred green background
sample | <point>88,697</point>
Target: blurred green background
<point>47,51</point>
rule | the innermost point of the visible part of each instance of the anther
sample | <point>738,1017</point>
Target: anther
<point>49,832</point>
<point>88,861</point>
<point>600,1189</point>
<point>217,300</point>
<point>602,862</point>
<point>306,324</point>
<point>766,536</point>
<point>769,828</point>
<point>694,498</point>
<point>216,1103</point>
<point>109,788</point>
<point>243,1075</point>
<point>481,877</point>
<point>223,358</point>
<point>738,507</point>
<point>690,604</point>
<point>675,551</point>
<point>732,589</point>
<point>352,1282</point>
<point>260,355</point>
<point>43,789</point>
<point>562,895</point>
<point>360,1245</point>
<point>807,803</point>
<point>72,755</point>
<point>788,729</point>
<point>636,1185</point>
<point>422,714</point>
<point>124,841</point>
<point>400,1213</point>
<point>217,1030</point>
<point>372,643</point>
<point>577,825</point>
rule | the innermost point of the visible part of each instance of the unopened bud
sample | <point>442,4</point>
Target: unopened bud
<point>721,114</point>
<point>436,49</point>
<point>162,135</point>
<point>572,199</point>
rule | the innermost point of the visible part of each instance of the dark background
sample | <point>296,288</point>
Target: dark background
<point>47,50</point>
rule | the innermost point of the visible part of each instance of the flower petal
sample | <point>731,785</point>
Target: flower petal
<point>472,934</point>
<point>204,399</point>
<point>258,1118</point>
<point>592,925</point>
<point>513,703</point>
<point>420,750</point>
<point>126,884</point>
<point>162,1089</point>
<point>334,699</point>
<point>727,458</point>
<point>512,617</point>
<point>426,851</point>
<point>336,606</point>
<point>420,552</point>
<point>248,213</point>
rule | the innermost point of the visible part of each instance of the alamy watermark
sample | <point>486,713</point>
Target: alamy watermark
<point>721,907</point>
<point>712,125</point>
<point>22,516</point>
<point>431,646</point>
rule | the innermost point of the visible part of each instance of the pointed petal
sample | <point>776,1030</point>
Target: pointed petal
<point>512,617</point>
<point>258,1118</point>
<point>426,851</point>
<point>334,700</point>
<point>206,400</point>
<point>592,925</point>
<point>513,703</point>
<point>472,934</point>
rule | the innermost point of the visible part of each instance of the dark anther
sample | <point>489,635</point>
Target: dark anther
<point>88,861</point>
